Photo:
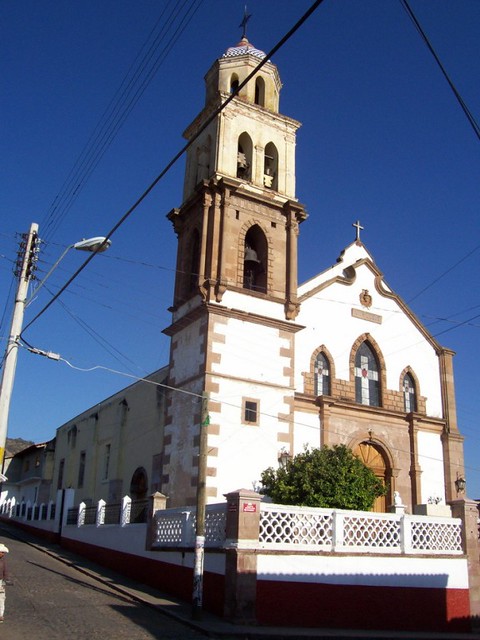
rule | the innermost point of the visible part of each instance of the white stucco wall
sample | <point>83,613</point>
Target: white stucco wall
<point>450,573</point>
<point>430,458</point>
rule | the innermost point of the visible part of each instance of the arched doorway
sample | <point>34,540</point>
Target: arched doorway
<point>372,455</point>
<point>138,494</point>
<point>139,484</point>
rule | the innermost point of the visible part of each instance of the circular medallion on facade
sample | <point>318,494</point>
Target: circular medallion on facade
<point>365,299</point>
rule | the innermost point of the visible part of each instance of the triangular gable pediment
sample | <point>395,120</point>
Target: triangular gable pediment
<point>345,272</point>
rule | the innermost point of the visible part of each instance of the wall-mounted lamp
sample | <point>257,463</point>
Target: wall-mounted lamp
<point>284,457</point>
<point>460,484</point>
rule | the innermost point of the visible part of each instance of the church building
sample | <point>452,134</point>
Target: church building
<point>281,366</point>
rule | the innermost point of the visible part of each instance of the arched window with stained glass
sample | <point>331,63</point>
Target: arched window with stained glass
<point>322,375</point>
<point>367,379</point>
<point>409,393</point>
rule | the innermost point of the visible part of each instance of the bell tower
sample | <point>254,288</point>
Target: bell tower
<point>236,271</point>
<point>238,225</point>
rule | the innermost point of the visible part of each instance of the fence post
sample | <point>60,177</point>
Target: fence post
<point>100,519</point>
<point>81,514</point>
<point>156,502</point>
<point>242,534</point>
<point>337,530</point>
<point>126,511</point>
<point>406,540</point>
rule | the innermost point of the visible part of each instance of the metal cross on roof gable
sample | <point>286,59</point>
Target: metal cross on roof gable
<point>359,228</point>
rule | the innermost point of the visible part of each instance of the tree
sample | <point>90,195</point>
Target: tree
<point>331,477</point>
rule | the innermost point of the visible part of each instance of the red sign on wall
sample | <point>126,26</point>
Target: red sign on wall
<point>249,507</point>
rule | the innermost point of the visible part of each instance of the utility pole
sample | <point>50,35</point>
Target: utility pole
<point>27,264</point>
<point>197,600</point>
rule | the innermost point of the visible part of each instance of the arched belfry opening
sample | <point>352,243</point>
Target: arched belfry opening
<point>244,157</point>
<point>260,91</point>
<point>234,82</point>
<point>255,260</point>
<point>270,167</point>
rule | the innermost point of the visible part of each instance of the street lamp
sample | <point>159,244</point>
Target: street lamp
<point>96,244</point>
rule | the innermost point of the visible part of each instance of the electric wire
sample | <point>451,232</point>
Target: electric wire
<point>178,155</point>
<point>293,423</point>
<point>107,346</point>
<point>465,109</point>
<point>153,184</point>
<point>118,110</point>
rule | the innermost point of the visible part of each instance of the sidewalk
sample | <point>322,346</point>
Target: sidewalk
<point>210,625</point>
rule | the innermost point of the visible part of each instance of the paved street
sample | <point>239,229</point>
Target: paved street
<point>50,599</point>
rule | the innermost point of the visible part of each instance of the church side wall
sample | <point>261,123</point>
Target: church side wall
<point>131,423</point>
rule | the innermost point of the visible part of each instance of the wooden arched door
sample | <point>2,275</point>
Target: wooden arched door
<point>372,455</point>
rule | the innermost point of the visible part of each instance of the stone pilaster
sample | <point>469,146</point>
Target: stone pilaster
<point>467,510</point>
<point>243,525</point>
<point>156,502</point>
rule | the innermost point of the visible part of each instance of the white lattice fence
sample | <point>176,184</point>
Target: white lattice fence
<point>436,537</point>
<point>286,527</point>
<point>280,525</point>
<point>369,531</point>
<point>176,527</point>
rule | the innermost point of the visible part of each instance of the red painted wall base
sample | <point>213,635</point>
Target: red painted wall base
<point>362,607</point>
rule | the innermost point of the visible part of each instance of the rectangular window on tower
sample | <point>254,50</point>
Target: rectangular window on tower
<point>250,411</point>
<point>81,469</point>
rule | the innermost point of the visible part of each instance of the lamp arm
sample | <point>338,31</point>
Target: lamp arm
<point>34,293</point>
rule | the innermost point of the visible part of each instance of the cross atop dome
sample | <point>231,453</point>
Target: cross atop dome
<point>243,24</point>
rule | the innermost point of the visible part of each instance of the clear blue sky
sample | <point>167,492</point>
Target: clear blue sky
<point>383,140</point>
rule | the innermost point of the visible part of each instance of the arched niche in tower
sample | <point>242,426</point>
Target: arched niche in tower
<point>260,91</point>
<point>270,167</point>
<point>255,260</point>
<point>244,156</point>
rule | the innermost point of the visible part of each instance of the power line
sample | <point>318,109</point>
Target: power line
<point>455,91</point>
<point>198,396</point>
<point>180,153</point>
<point>128,94</point>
